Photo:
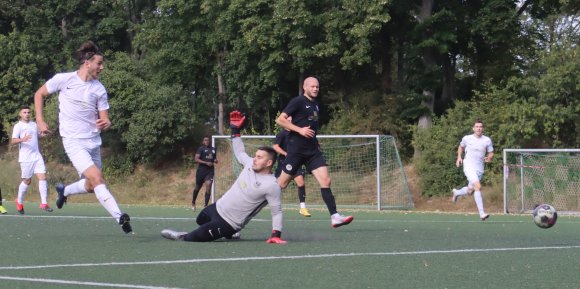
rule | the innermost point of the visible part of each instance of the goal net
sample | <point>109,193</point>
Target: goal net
<point>538,176</point>
<point>366,171</point>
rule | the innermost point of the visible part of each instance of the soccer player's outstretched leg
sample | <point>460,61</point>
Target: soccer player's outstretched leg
<point>80,126</point>
<point>254,188</point>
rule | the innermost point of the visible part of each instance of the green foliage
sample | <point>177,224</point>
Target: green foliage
<point>539,110</point>
<point>151,120</point>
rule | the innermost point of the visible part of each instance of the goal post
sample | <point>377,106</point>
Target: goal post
<point>537,176</point>
<point>366,171</point>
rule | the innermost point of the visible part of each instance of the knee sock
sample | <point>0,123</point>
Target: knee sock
<point>108,201</point>
<point>328,200</point>
<point>43,189</point>
<point>22,191</point>
<point>194,195</point>
<point>207,197</point>
<point>302,194</point>
<point>479,202</point>
<point>75,188</point>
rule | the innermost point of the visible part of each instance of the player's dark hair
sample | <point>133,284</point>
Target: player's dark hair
<point>271,152</point>
<point>86,51</point>
<point>478,121</point>
<point>24,107</point>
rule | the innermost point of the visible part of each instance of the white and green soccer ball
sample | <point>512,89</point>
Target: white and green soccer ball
<point>545,216</point>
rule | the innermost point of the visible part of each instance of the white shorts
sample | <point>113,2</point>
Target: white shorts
<point>31,168</point>
<point>473,175</point>
<point>83,152</point>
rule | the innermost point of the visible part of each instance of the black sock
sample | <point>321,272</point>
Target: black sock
<point>194,197</point>
<point>0,196</point>
<point>302,194</point>
<point>328,200</point>
<point>207,197</point>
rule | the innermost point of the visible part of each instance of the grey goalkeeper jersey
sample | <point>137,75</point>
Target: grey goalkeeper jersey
<point>250,193</point>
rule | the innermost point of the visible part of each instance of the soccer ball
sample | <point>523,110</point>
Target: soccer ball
<point>545,216</point>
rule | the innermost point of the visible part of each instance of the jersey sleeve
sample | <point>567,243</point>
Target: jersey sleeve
<point>275,203</point>
<point>240,152</point>
<point>463,142</point>
<point>292,106</point>
<point>56,83</point>
<point>490,146</point>
<point>16,130</point>
<point>103,100</point>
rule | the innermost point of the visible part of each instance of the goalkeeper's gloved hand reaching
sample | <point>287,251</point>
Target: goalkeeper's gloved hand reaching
<point>236,122</point>
<point>275,238</point>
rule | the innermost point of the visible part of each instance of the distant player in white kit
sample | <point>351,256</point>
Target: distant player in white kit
<point>25,134</point>
<point>478,149</point>
<point>83,114</point>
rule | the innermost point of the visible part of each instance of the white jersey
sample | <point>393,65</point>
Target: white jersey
<point>249,194</point>
<point>29,151</point>
<point>475,150</point>
<point>79,104</point>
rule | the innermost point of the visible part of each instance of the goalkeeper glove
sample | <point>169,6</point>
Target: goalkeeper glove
<point>275,238</point>
<point>236,122</point>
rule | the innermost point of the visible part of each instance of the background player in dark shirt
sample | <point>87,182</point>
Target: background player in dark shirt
<point>206,158</point>
<point>281,146</point>
<point>303,148</point>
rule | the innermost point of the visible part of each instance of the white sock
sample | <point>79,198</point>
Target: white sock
<point>22,191</point>
<point>108,201</point>
<point>43,189</point>
<point>302,205</point>
<point>479,202</point>
<point>75,188</point>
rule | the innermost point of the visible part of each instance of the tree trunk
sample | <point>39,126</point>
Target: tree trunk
<point>426,120</point>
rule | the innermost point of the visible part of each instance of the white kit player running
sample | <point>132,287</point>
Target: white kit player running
<point>83,114</point>
<point>478,149</point>
<point>25,134</point>
<point>254,188</point>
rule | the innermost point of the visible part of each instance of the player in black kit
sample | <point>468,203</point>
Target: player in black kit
<point>281,147</point>
<point>206,158</point>
<point>303,148</point>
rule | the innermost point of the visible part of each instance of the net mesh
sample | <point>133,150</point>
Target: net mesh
<point>352,163</point>
<point>534,178</point>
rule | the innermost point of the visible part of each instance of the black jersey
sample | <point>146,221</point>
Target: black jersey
<point>304,113</point>
<point>206,154</point>
<point>282,141</point>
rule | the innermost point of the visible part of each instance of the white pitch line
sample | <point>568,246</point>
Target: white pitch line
<point>55,281</point>
<point>187,261</point>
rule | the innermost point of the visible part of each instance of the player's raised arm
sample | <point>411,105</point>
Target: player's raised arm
<point>237,120</point>
<point>39,96</point>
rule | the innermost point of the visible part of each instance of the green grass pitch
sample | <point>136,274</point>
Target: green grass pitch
<point>80,246</point>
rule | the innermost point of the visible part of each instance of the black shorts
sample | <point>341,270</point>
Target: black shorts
<point>201,176</point>
<point>311,160</point>
<point>300,172</point>
<point>211,226</point>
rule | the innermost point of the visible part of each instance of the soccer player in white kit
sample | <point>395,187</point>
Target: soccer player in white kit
<point>83,114</point>
<point>478,149</point>
<point>25,134</point>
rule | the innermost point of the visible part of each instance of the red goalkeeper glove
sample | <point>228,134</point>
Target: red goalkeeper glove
<point>275,238</point>
<point>236,122</point>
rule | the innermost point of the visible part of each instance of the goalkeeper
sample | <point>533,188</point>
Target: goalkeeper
<point>255,187</point>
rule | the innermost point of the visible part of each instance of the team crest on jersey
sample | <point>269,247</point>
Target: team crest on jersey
<point>288,167</point>
<point>314,116</point>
